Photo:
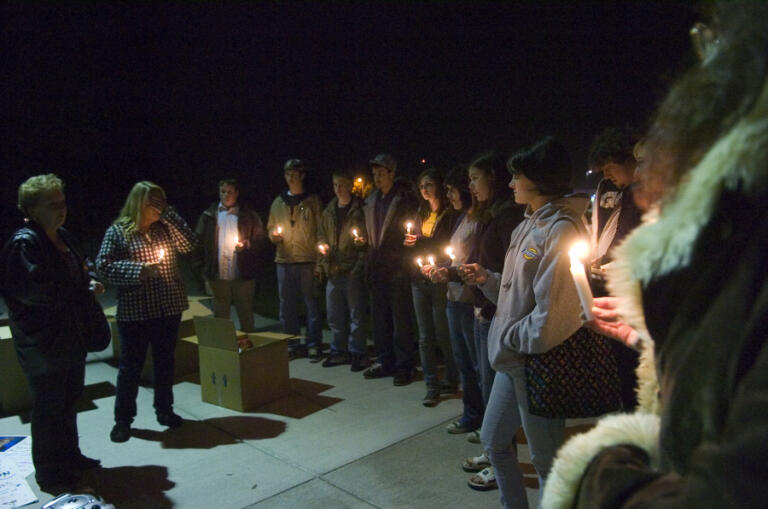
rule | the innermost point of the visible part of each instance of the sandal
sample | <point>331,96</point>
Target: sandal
<point>474,437</point>
<point>484,480</point>
<point>476,463</point>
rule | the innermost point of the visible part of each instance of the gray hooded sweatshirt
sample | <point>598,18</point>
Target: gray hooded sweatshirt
<point>537,304</point>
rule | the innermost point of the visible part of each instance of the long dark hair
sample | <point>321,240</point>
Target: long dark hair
<point>457,179</point>
<point>424,208</point>
<point>494,166</point>
<point>710,98</point>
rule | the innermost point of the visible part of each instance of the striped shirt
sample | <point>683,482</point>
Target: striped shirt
<point>122,256</point>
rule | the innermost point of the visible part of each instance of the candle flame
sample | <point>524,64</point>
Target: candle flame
<point>161,254</point>
<point>354,232</point>
<point>279,229</point>
<point>431,259</point>
<point>419,262</point>
<point>360,180</point>
<point>579,250</point>
<point>449,252</point>
<point>408,227</point>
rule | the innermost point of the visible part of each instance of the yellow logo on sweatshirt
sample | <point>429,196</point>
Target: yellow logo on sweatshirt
<point>530,253</point>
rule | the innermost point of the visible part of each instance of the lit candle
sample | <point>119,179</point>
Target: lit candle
<point>323,248</point>
<point>359,180</point>
<point>449,252</point>
<point>279,230</point>
<point>160,254</point>
<point>408,227</point>
<point>237,242</point>
<point>419,262</point>
<point>354,233</point>
<point>431,259</point>
<point>577,252</point>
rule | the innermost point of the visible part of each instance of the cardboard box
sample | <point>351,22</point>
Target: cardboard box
<point>14,389</point>
<point>186,356</point>
<point>240,380</point>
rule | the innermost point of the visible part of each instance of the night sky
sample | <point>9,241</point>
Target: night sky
<point>106,93</point>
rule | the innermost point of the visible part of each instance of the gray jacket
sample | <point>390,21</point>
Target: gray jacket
<point>537,304</point>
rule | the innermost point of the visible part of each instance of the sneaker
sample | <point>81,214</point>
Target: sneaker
<point>403,378</point>
<point>457,428</point>
<point>335,359</point>
<point>121,432</point>
<point>359,363</point>
<point>170,419</point>
<point>473,437</point>
<point>83,462</point>
<point>432,398</point>
<point>315,355</point>
<point>376,371</point>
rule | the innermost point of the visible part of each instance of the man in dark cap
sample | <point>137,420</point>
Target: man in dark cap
<point>387,210</point>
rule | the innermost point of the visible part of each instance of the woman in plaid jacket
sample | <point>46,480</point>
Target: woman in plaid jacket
<point>139,256</point>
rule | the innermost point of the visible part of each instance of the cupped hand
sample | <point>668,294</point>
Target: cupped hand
<point>607,322</point>
<point>438,275</point>
<point>473,273</point>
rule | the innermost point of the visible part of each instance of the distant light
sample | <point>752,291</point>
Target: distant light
<point>423,161</point>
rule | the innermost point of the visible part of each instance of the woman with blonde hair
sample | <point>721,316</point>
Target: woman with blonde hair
<point>139,256</point>
<point>44,281</point>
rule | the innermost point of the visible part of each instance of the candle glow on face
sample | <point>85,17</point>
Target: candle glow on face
<point>577,253</point>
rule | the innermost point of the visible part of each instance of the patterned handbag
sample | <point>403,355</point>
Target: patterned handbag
<point>577,378</point>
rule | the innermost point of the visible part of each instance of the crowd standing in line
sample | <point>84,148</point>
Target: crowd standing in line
<point>485,274</point>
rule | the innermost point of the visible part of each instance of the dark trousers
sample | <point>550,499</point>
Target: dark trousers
<point>54,420</point>
<point>391,313</point>
<point>135,338</point>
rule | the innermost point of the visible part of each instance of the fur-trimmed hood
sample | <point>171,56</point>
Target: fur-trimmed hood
<point>661,246</point>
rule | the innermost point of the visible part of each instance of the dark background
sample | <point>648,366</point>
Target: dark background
<point>184,93</point>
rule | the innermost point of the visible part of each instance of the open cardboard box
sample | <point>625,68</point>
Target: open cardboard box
<point>241,380</point>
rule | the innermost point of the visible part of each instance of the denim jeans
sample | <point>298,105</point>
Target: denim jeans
<point>391,313</point>
<point>485,373</point>
<point>345,303</point>
<point>135,338</point>
<point>429,301</point>
<point>461,328</point>
<point>54,419</point>
<point>507,410</point>
<point>295,281</point>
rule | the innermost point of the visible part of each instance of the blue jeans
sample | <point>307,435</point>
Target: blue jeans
<point>135,338</point>
<point>294,282</point>
<point>345,303</point>
<point>485,373</point>
<point>391,313</point>
<point>507,410</point>
<point>429,301</point>
<point>461,328</point>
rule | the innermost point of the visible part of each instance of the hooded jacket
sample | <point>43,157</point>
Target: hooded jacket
<point>537,306</point>
<point>694,284</point>
<point>299,226</point>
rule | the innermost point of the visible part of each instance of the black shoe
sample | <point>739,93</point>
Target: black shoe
<point>170,419</point>
<point>403,378</point>
<point>359,363</point>
<point>376,371</point>
<point>335,359</point>
<point>121,432</point>
<point>83,462</point>
<point>296,353</point>
<point>432,398</point>
<point>315,355</point>
<point>449,389</point>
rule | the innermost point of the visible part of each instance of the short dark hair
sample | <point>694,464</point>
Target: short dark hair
<point>345,174</point>
<point>547,164</point>
<point>229,182</point>
<point>614,145</point>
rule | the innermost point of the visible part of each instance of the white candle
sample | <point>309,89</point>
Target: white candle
<point>279,230</point>
<point>449,252</point>
<point>408,227</point>
<point>431,259</point>
<point>419,262</point>
<point>354,233</point>
<point>160,254</point>
<point>578,251</point>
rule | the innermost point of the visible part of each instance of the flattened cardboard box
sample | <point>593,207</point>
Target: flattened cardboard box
<point>241,380</point>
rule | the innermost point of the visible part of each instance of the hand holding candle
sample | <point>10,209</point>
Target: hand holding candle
<point>419,262</point>
<point>410,238</point>
<point>578,252</point>
<point>323,248</point>
<point>238,243</point>
<point>160,255</point>
<point>277,235</point>
<point>449,252</point>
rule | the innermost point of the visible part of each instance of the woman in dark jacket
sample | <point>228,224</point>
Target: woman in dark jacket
<point>428,242</point>
<point>45,284</point>
<point>692,292</point>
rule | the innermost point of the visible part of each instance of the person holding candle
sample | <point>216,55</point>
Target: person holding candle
<point>342,230</point>
<point>231,237</point>
<point>432,230</point>
<point>690,290</point>
<point>293,221</point>
<point>537,309</point>
<point>388,268</point>
<point>46,285</point>
<point>150,297</point>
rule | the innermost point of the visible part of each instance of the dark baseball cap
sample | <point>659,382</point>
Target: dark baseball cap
<point>385,161</point>
<point>294,164</point>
